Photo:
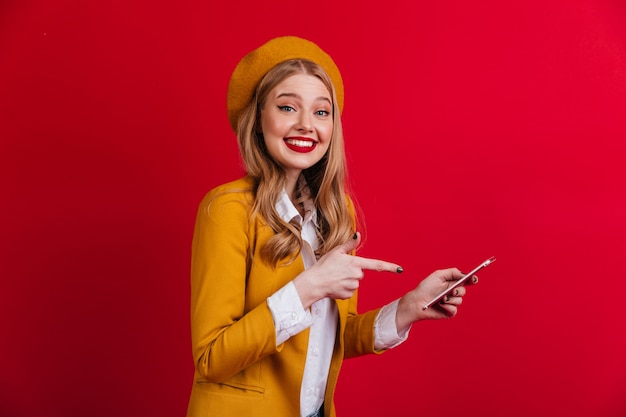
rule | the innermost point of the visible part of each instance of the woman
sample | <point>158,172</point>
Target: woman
<point>274,276</point>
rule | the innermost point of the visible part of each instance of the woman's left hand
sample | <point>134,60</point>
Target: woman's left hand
<point>410,308</point>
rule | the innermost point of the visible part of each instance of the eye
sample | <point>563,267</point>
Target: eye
<point>286,108</point>
<point>322,113</point>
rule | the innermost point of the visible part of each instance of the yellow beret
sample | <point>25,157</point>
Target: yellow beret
<point>253,67</point>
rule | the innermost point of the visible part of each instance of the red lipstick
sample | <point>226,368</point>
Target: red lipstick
<point>300,144</point>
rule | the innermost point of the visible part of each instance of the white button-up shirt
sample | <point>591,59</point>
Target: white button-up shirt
<point>290,317</point>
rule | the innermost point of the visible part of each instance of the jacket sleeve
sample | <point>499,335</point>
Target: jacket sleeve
<point>227,334</point>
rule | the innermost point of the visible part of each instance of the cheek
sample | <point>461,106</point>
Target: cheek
<point>272,127</point>
<point>328,133</point>
<point>266,122</point>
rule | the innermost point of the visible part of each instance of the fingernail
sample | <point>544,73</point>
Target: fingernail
<point>399,270</point>
<point>355,235</point>
<point>475,279</point>
<point>456,292</point>
<point>447,298</point>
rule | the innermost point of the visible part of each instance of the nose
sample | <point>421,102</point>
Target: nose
<point>304,123</point>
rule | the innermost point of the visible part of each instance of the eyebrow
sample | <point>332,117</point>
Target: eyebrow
<point>294,95</point>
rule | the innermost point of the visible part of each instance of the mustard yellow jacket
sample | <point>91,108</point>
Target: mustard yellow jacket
<point>239,370</point>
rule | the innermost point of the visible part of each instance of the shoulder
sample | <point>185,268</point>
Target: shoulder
<point>232,197</point>
<point>240,188</point>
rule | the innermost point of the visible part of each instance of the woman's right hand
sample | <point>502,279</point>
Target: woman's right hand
<point>337,274</point>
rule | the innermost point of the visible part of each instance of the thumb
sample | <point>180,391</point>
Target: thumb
<point>351,244</point>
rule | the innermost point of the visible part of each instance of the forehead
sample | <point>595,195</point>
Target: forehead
<point>302,84</point>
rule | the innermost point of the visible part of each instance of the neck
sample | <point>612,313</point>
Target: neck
<point>291,185</point>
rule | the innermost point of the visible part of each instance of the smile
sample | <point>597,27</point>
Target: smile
<point>301,145</point>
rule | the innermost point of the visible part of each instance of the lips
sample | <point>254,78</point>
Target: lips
<point>301,145</point>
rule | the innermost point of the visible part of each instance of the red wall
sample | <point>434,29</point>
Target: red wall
<point>473,129</point>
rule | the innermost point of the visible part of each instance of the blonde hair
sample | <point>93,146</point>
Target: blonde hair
<point>326,179</point>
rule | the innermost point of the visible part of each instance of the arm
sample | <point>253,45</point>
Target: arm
<point>228,333</point>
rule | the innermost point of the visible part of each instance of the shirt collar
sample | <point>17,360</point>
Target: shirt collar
<point>287,211</point>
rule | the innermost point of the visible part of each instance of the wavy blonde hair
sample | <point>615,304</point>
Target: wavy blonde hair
<point>326,179</point>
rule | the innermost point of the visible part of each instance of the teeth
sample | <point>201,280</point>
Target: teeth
<point>300,143</point>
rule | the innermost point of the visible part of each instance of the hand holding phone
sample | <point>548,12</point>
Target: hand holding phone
<point>459,282</point>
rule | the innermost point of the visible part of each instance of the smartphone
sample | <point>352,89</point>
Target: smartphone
<point>460,281</point>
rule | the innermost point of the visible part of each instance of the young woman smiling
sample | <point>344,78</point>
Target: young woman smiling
<point>274,273</point>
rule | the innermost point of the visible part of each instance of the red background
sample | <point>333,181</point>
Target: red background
<point>473,129</point>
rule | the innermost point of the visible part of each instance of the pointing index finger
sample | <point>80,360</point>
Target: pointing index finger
<point>378,265</point>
